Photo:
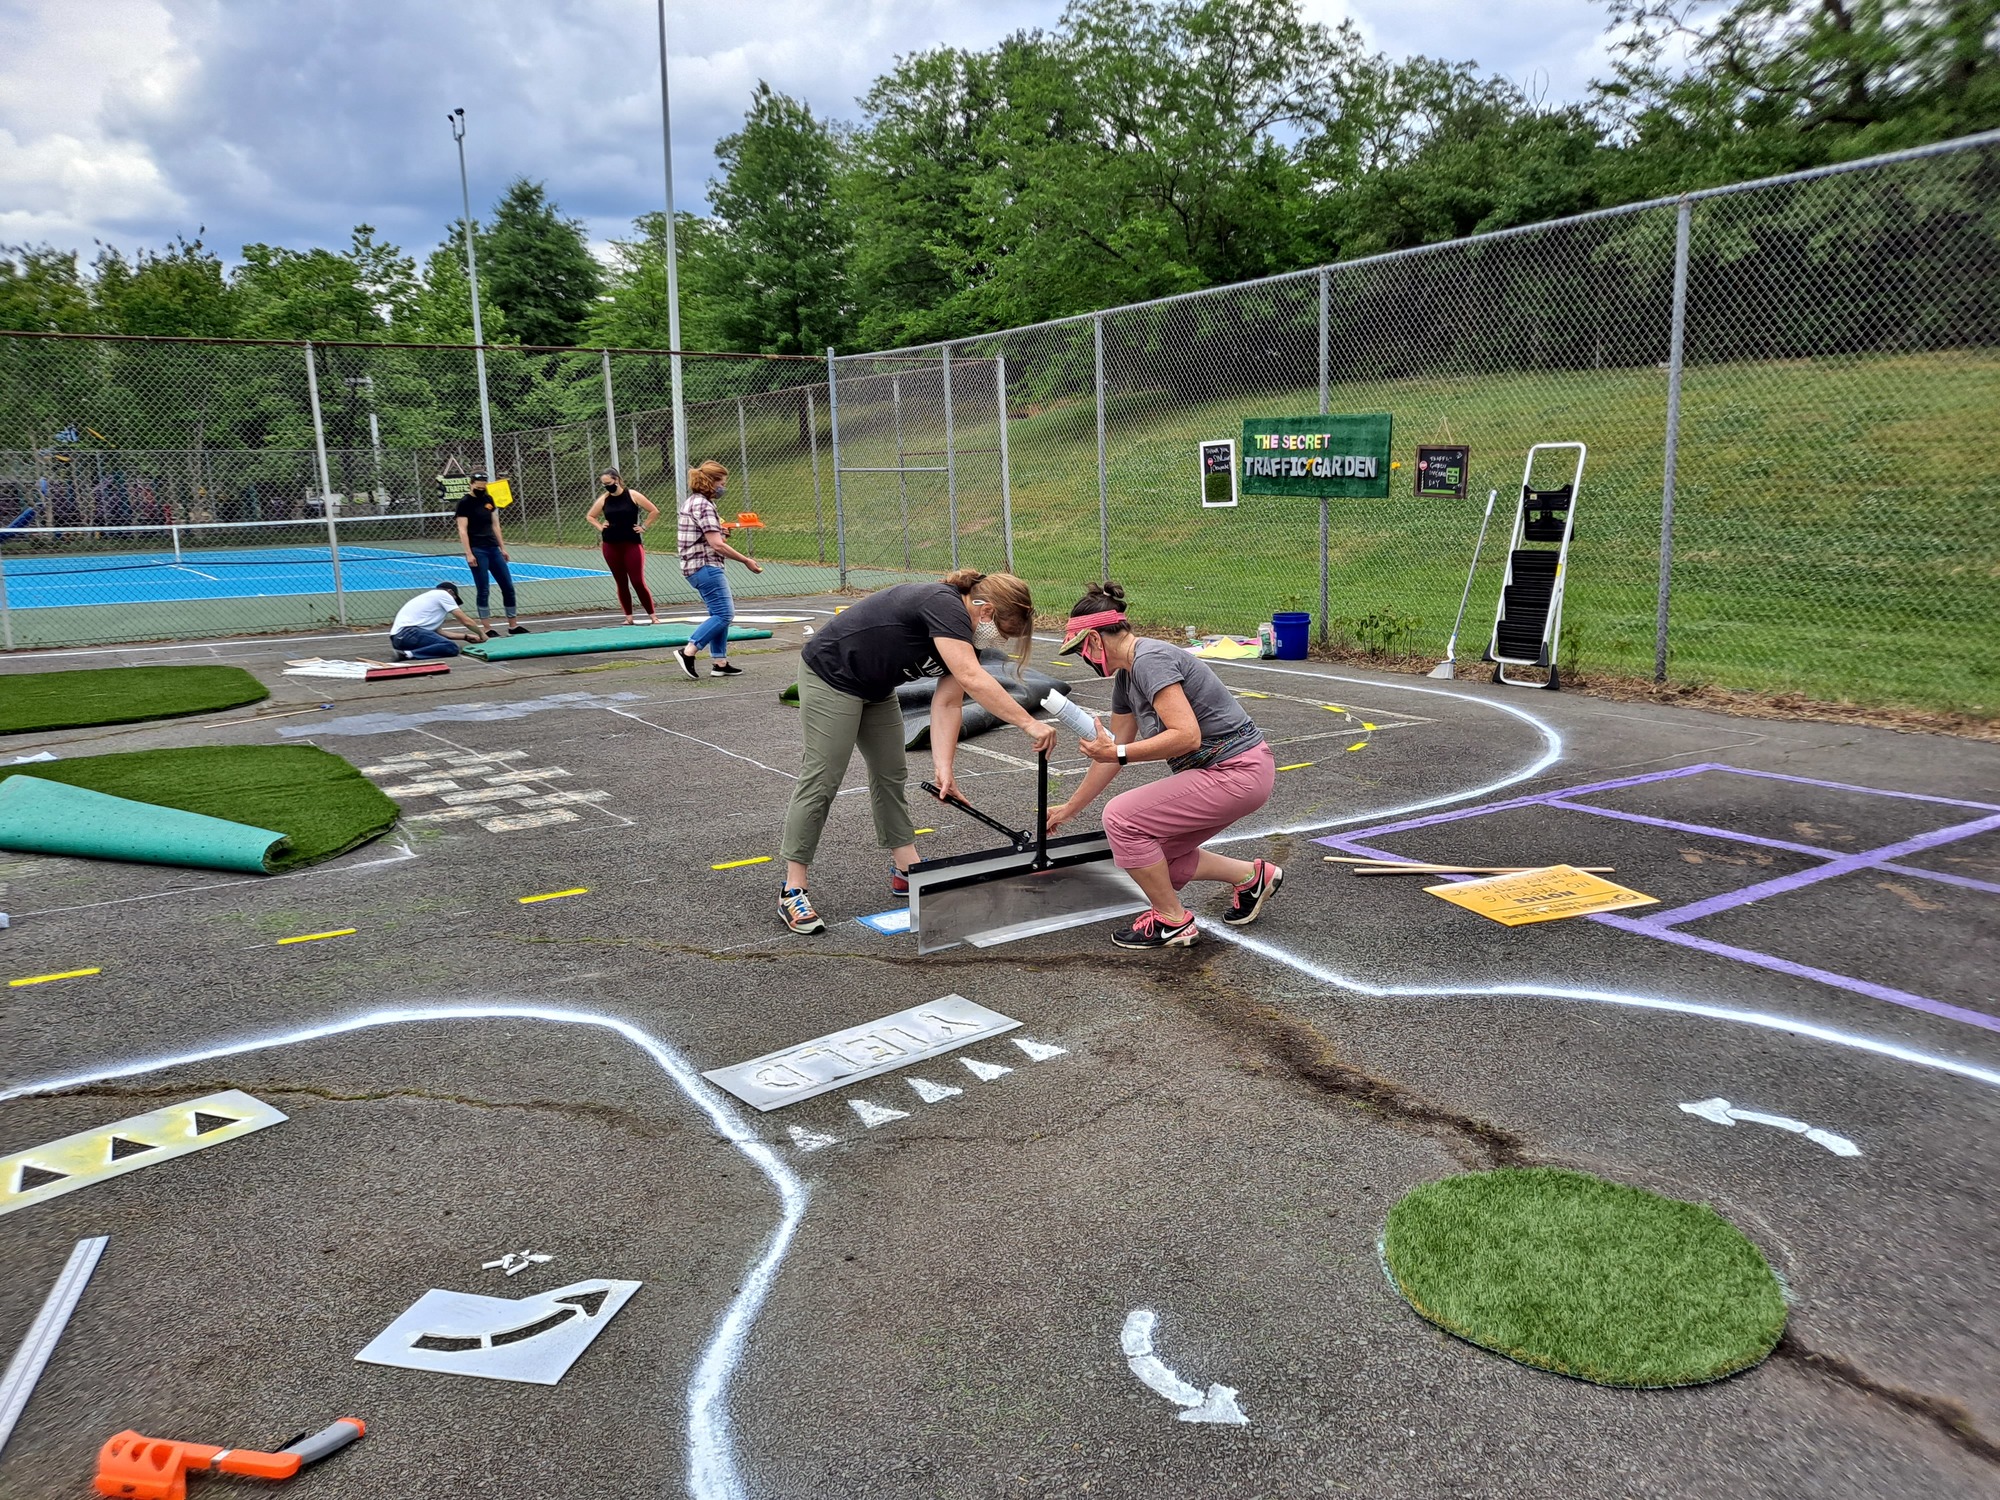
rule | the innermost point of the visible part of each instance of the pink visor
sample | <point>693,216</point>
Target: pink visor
<point>1080,625</point>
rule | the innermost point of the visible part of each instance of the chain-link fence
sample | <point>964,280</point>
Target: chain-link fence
<point>1833,498</point>
<point>1786,388</point>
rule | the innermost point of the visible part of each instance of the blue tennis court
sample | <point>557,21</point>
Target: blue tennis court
<point>240,573</point>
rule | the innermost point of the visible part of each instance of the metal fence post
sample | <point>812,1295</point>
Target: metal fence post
<point>812,439</point>
<point>902,474</point>
<point>833,422</point>
<point>1323,547</point>
<point>610,412</point>
<point>1325,343</point>
<point>6,614</point>
<point>1006,481</point>
<point>950,461</point>
<point>555,484</point>
<point>1675,351</point>
<point>1103,491</point>
<point>325,486</point>
<point>743,450</point>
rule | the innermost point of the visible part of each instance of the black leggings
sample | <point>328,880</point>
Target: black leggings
<point>627,561</point>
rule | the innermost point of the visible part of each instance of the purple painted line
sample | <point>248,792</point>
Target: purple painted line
<point>1846,865</point>
<point>1805,971</point>
<point>1945,876</point>
<point>1536,799</point>
<point>1559,800</point>
<point>1872,791</point>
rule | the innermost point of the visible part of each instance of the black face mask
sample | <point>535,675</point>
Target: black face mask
<point>610,486</point>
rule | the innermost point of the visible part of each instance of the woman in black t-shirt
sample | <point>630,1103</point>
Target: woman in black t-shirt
<point>847,699</point>
<point>615,514</point>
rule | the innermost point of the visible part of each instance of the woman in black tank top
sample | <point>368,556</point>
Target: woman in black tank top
<point>619,515</point>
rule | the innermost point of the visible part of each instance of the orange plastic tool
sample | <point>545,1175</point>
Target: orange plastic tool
<point>132,1466</point>
<point>750,519</point>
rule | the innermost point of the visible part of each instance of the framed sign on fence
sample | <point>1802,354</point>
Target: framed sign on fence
<point>1343,457</point>
<point>1443,471</point>
<point>1218,474</point>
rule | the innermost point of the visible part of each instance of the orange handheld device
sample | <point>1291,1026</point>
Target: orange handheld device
<point>132,1466</point>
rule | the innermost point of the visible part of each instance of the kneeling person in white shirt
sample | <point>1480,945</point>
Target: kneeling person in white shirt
<point>415,635</point>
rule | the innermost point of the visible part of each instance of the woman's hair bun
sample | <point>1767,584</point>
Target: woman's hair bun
<point>1114,592</point>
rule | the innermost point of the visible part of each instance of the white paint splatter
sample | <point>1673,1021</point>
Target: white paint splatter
<point>1215,1405</point>
<point>984,1071</point>
<point>1039,1051</point>
<point>932,1093</point>
<point>876,1114</point>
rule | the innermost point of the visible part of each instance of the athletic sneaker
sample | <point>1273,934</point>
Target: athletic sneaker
<point>1247,904</point>
<point>1151,931</point>
<point>687,666</point>
<point>724,669</point>
<point>401,655</point>
<point>899,882</point>
<point>798,909</point>
<point>513,629</point>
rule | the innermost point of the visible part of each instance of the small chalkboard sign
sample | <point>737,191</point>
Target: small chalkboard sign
<point>1218,474</point>
<point>1443,471</point>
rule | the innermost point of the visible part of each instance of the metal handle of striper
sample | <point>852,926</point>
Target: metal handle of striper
<point>1078,720</point>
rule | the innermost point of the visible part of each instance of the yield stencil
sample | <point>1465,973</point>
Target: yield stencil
<point>531,1339</point>
<point>76,1161</point>
<point>843,1057</point>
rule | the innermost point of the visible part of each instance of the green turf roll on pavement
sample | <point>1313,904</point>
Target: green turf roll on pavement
<point>31,701</point>
<point>579,642</point>
<point>51,817</point>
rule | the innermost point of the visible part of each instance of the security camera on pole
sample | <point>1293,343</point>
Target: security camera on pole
<point>457,119</point>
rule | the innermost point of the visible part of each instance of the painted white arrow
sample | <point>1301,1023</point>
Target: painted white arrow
<point>1217,1404</point>
<point>1722,1112</point>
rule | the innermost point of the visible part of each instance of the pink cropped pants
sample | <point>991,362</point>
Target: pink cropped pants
<point>1171,818</point>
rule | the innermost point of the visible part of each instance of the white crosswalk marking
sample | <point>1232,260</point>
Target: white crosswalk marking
<point>515,822</point>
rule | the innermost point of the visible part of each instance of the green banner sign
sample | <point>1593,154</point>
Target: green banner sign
<point>1339,457</point>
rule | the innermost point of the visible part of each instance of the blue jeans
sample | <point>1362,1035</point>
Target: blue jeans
<point>423,644</point>
<point>712,634</point>
<point>487,560</point>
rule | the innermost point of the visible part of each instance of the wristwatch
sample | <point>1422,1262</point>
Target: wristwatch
<point>1121,756</point>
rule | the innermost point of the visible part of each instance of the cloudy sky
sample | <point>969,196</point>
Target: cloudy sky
<point>288,121</point>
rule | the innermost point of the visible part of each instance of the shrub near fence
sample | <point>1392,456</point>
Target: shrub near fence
<point>1834,527</point>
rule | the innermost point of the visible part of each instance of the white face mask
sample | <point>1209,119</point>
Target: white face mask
<point>987,637</point>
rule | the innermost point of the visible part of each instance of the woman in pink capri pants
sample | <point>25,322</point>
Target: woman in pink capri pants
<point>1167,705</point>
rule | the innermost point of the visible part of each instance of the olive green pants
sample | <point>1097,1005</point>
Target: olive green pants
<point>833,723</point>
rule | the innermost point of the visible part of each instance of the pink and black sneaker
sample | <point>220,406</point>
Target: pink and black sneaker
<point>1247,902</point>
<point>1151,931</point>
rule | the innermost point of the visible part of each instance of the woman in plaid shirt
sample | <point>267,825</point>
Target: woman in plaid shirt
<point>704,549</point>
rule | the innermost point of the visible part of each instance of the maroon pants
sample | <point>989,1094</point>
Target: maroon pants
<point>627,561</point>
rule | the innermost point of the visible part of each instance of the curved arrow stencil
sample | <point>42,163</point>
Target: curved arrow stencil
<point>1722,1112</point>
<point>1216,1404</point>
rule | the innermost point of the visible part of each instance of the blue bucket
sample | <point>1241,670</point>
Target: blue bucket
<point>1291,628</point>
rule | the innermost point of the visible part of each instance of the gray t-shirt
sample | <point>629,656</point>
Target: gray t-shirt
<point>1157,665</point>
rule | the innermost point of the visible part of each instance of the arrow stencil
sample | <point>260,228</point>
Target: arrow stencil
<point>1722,1112</point>
<point>1217,1404</point>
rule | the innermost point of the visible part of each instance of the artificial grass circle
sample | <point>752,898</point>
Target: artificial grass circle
<point>31,701</point>
<point>1588,1278</point>
<point>322,804</point>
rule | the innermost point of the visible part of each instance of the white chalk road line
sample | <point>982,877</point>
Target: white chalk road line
<point>1217,1404</point>
<point>1722,1112</point>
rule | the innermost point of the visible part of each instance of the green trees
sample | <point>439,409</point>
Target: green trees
<point>536,267</point>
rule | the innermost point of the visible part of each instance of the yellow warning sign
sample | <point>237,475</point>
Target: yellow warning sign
<point>501,492</point>
<point>1540,895</point>
<point>112,1150</point>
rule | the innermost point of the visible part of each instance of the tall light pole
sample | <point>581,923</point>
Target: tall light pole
<point>673,270</point>
<point>457,118</point>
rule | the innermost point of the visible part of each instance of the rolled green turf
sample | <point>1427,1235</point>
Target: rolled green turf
<point>579,642</point>
<point>317,800</point>
<point>52,817</point>
<point>1567,1272</point>
<point>120,695</point>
